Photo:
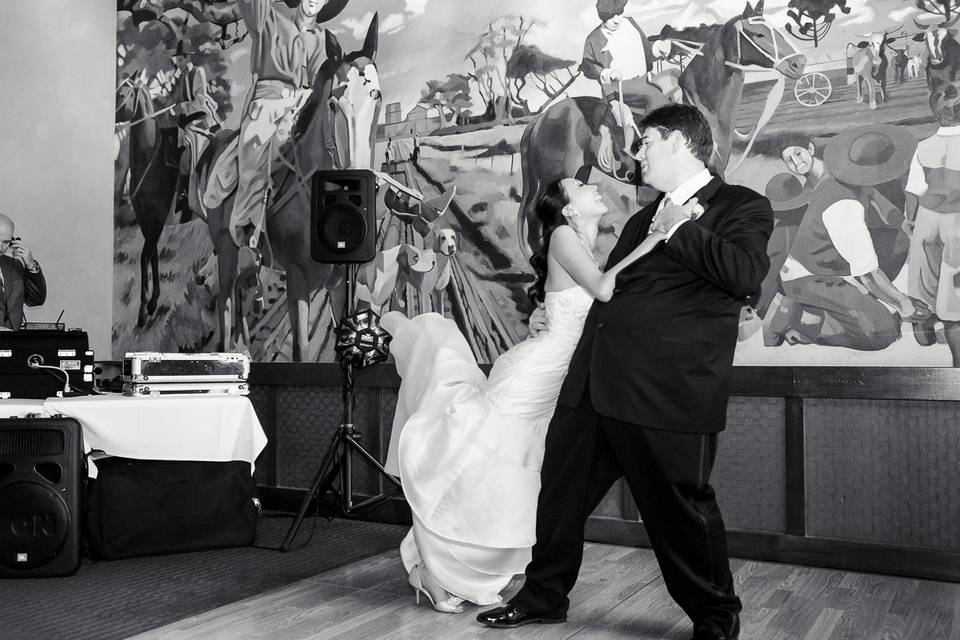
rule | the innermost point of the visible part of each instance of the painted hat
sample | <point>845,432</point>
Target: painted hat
<point>606,9</point>
<point>926,20</point>
<point>869,155</point>
<point>785,192</point>
<point>329,11</point>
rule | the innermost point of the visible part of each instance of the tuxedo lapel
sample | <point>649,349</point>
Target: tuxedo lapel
<point>634,231</point>
<point>648,212</point>
<point>707,192</point>
<point>638,226</point>
<point>703,196</point>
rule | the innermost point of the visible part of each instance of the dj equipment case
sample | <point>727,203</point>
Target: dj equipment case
<point>64,349</point>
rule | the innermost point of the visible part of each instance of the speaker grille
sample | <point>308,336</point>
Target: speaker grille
<point>31,442</point>
<point>343,229</point>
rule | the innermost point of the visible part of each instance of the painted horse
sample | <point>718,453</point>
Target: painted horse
<point>334,130</point>
<point>153,156</point>
<point>563,140</point>
<point>713,80</point>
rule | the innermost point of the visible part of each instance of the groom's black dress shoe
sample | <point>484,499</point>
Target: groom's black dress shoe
<point>708,633</point>
<point>510,616</point>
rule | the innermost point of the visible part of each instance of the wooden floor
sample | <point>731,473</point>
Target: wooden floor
<point>620,594</point>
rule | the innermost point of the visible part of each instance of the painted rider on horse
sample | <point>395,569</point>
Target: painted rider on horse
<point>618,55</point>
<point>196,120</point>
<point>285,55</point>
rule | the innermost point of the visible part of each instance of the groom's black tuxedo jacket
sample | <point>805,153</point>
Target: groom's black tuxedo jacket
<point>660,352</point>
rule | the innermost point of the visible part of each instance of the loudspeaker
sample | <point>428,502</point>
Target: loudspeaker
<point>343,216</point>
<point>41,466</point>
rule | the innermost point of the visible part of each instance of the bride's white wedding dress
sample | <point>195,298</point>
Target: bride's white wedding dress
<point>469,448</point>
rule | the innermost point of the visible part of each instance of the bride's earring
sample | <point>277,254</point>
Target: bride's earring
<point>570,213</point>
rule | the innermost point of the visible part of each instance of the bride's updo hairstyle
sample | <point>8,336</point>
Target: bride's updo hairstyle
<point>549,210</point>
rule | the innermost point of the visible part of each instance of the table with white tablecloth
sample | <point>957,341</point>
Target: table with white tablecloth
<point>167,473</point>
<point>21,408</point>
<point>211,428</point>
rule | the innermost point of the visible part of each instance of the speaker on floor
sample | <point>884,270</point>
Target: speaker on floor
<point>343,216</point>
<point>41,467</point>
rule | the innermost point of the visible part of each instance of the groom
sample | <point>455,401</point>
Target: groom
<point>646,391</point>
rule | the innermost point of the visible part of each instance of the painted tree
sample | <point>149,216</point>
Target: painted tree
<point>490,55</point>
<point>450,95</point>
<point>148,37</point>
<point>219,12</point>
<point>946,8</point>
<point>549,74</point>
<point>813,18</point>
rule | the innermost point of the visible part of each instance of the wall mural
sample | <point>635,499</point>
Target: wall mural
<point>844,113</point>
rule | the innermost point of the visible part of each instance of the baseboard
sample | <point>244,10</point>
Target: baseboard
<point>913,562</point>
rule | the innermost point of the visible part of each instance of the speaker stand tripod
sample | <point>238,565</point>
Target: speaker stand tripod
<point>338,462</point>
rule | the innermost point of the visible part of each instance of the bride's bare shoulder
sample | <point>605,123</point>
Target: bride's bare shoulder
<point>563,231</point>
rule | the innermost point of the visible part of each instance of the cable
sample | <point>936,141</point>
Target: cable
<point>66,376</point>
<point>35,361</point>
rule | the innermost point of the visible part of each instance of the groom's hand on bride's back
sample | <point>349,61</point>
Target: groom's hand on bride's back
<point>538,321</point>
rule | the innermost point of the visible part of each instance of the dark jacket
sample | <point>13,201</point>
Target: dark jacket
<point>660,352</point>
<point>19,287</point>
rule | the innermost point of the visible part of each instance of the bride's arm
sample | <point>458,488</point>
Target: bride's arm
<point>569,252</point>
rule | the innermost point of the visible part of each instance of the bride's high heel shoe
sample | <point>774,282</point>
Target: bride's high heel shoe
<point>450,605</point>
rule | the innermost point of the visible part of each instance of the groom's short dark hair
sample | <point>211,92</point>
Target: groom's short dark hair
<point>686,119</point>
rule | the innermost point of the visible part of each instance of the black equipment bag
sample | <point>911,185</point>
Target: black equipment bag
<point>151,507</point>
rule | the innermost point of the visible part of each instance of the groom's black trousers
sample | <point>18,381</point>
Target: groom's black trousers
<point>668,473</point>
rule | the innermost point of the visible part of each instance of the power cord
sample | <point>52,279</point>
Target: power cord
<point>35,361</point>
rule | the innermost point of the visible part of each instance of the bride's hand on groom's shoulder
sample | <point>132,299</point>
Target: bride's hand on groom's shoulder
<point>671,214</point>
<point>538,321</point>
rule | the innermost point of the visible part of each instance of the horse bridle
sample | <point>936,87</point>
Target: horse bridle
<point>774,58</point>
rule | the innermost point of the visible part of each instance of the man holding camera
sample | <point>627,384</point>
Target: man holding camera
<point>21,281</point>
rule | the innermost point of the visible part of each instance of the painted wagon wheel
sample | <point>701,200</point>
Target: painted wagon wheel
<point>812,89</point>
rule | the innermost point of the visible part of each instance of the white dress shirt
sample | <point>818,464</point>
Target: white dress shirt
<point>625,45</point>
<point>845,221</point>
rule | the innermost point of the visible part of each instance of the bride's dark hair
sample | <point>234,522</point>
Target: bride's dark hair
<point>549,209</point>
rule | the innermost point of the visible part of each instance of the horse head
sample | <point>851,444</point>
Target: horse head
<point>343,110</point>
<point>137,107</point>
<point>750,40</point>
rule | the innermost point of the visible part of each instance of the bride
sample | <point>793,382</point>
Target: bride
<point>468,447</point>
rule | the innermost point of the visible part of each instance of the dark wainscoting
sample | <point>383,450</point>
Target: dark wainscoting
<point>843,467</point>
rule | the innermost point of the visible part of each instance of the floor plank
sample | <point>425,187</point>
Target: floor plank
<point>620,595</point>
